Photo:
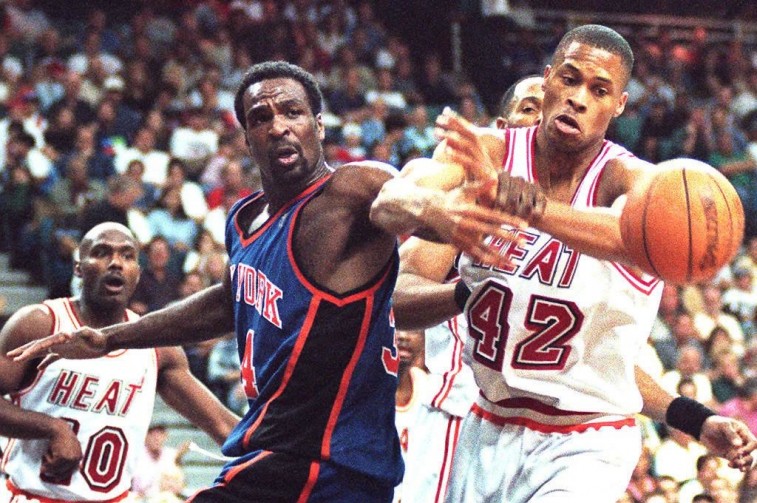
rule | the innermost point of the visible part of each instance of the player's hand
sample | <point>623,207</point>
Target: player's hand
<point>84,343</point>
<point>63,453</point>
<point>465,146</point>
<point>730,439</point>
<point>473,228</point>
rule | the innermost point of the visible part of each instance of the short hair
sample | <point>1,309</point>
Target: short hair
<point>119,184</point>
<point>600,37</point>
<point>274,70</point>
<point>506,103</point>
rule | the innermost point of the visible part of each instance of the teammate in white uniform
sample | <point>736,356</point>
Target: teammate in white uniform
<point>451,389</point>
<point>76,426</point>
<point>555,332</point>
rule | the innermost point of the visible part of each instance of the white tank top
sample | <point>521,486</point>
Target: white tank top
<point>109,403</point>
<point>555,337</point>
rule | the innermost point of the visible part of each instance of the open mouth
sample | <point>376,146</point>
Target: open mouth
<point>114,284</point>
<point>286,155</point>
<point>567,124</point>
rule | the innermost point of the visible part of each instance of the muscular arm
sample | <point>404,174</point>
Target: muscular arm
<point>204,315</point>
<point>421,298</point>
<point>185,394</point>
<point>63,450</point>
<point>656,399</point>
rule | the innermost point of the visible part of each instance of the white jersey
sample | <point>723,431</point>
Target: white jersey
<point>406,417</point>
<point>554,338</point>
<point>109,403</point>
<point>452,387</point>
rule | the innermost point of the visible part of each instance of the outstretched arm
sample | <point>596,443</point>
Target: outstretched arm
<point>190,398</point>
<point>723,436</point>
<point>204,315</point>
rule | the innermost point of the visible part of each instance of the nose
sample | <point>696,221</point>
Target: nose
<point>116,261</point>
<point>279,126</point>
<point>577,100</point>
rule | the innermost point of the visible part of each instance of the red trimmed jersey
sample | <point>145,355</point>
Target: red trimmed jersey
<point>556,334</point>
<point>319,368</point>
<point>107,401</point>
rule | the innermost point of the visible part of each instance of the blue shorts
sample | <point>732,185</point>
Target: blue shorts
<point>265,476</point>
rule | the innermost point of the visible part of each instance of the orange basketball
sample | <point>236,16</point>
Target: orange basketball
<point>685,224</point>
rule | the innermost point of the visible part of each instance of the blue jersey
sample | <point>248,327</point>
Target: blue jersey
<point>319,368</point>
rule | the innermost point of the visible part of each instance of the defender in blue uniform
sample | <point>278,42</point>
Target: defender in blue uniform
<point>312,267</point>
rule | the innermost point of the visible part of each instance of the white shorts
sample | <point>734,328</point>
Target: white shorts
<point>428,461</point>
<point>513,463</point>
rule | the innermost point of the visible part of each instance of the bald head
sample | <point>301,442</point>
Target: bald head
<point>99,231</point>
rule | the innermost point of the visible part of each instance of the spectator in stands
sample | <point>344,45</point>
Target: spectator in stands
<point>168,220</point>
<point>192,197</point>
<point>150,193</point>
<point>642,481</point>
<point>744,405</point>
<point>234,184</point>
<point>386,91</point>
<point>72,193</point>
<point>159,284</point>
<point>83,111</point>
<point>707,471</point>
<point>86,147</point>
<point>727,377</point>
<point>223,368</point>
<point>155,161</point>
<point>713,315</point>
<point>16,211</point>
<point>156,461</point>
<point>419,134</point>
<point>435,86</point>
<point>60,134</point>
<point>739,167</point>
<point>740,299</point>
<point>122,193</point>
<point>194,143</point>
<point>348,98</point>
<point>682,333</point>
<point>689,367</point>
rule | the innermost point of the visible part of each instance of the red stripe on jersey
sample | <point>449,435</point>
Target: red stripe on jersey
<point>456,365</point>
<point>645,286</point>
<point>507,162</point>
<point>315,467</point>
<point>346,377</point>
<point>536,406</point>
<point>234,471</point>
<point>272,218</point>
<point>41,499</point>
<point>307,324</point>
<point>71,310</point>
<point>450,444</point>
<point>368,291</point>
<point>549,428</point>
<point>531,142</point>
<point>601,153</point>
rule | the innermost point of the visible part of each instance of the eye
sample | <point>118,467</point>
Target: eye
<point>568,80</point>
<point>293,113</point>
<point>529,110</point>
<point>602,92</point>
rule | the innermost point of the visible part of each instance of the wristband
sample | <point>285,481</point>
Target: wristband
<point>687,415</point>
<point>462,292</point>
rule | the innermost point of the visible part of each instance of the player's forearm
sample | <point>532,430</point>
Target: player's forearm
<point>204,315</point>
<point>16,422</point>
<point>420,303</point>
<point>656,399</point>
<point>594,232</point>
<point>402,207</point>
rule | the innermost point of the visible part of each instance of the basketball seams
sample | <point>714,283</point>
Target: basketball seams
<point>730,214</point>
<point>690,257</point>
<point>647,255</point>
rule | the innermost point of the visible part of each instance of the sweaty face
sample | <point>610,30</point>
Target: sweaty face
<point>528,98</point>
<point>109,269</point>
<point>283,135</point>
<point>582,93</point>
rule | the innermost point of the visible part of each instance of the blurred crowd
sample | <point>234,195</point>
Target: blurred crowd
<point>133,121</point>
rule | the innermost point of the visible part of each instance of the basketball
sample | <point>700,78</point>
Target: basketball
<point>685,224</point>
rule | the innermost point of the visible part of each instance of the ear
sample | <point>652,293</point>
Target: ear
<point>621,104</point>
<point>547,71</point>
<point>77,269</point>
<point>321,128</point>
<point>500,123</point>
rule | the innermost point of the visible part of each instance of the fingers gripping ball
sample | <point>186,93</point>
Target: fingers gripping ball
<point>685,224</point>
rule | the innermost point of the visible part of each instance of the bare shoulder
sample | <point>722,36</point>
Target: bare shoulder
<point>27,324</point>
<point>620,176</point>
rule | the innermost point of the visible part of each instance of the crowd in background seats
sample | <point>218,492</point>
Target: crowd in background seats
<point>132,121</point>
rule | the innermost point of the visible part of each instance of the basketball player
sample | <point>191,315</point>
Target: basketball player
<point>451,388</point>
<point>76,426</point>
<point>412,381</point>
<point>555,333</point>
<point>312,268</point>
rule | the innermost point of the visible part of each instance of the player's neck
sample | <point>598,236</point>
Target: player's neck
<point>404,388</point>
<point>560,172</point>
<point>97,316</point>
<point>279,195</point>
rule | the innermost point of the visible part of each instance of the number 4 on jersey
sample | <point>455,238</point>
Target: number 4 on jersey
<point>551,324</point>
<point>248,371</point>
